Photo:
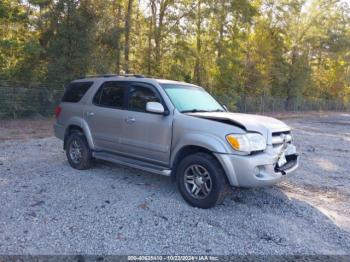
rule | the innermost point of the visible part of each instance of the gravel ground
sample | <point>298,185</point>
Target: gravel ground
<point>49,208</point>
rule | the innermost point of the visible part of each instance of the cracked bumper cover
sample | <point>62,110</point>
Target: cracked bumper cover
<point>259,169</point>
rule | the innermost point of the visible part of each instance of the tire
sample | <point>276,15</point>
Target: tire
<point>82,160</point>
<point>201,172</point>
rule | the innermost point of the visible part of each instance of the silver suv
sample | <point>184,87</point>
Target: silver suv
<point>174,129</point>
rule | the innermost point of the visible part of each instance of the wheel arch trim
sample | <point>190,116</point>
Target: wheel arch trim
<point>206,141</point>
<point>81,123</point>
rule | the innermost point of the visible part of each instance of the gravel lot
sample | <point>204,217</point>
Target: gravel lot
<point>49,208</point>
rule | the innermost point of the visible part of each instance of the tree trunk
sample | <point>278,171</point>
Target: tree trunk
<point>119,14</point>
<point>158,33</point>
<point>158,29</point>
<point>221,27</point>
<point>149,55</point>
<point>198,66</point>
<point>127,36</point>
<point>291,81</point>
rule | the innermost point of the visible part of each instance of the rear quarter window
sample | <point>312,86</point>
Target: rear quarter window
<point>75,91</point>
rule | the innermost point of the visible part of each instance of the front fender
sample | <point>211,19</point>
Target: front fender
<point>208,141</point>
<point>80,122</point>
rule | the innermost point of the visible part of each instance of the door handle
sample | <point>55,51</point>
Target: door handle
<point>130,119</point>
<point>90,114</point>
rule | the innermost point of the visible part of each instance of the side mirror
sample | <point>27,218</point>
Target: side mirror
<point>155,107</point>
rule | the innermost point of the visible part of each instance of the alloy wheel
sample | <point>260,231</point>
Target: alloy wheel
<point>197,181</point>
<point>75,151</point>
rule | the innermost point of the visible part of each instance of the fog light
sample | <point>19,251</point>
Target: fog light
<point>257,172</point>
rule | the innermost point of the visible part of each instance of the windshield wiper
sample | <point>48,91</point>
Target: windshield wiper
<point>194,111</point>
<point>217,110</point>
<point>201,111</point>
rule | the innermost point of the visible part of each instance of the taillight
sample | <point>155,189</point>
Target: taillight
<point>58,111</point>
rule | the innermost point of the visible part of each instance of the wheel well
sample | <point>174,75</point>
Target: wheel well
<point>69,130</point>
<point>184,152</point>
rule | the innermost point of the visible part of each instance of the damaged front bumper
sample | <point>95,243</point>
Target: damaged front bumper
<point>259,169</point>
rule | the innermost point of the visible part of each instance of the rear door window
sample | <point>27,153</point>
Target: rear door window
<point>110,94</point>
<point>75,91</point>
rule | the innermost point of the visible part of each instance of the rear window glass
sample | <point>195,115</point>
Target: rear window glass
<point>75,91</point>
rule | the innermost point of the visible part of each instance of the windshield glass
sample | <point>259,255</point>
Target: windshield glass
<point>188,98</point>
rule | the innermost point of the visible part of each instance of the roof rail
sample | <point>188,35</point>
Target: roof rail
<point>114,75</point>
<point>133,75</point>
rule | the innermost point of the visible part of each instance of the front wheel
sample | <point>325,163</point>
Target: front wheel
<point>201,180</point>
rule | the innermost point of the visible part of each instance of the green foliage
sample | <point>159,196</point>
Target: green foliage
<point>69,45</point>
<point>282,48</point>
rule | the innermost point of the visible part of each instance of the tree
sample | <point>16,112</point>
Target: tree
<point>234,48</point>
<point>18,43</point>
<point>69,45</point>
<point>127,35</point>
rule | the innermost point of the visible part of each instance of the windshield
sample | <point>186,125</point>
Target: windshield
<point>188,98</point>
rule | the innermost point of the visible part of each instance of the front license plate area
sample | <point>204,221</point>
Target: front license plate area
<point>282,160</point>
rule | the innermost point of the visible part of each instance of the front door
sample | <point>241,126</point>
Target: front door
<point>146,135</point>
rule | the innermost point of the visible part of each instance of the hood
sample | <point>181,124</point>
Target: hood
<point>249,122</point>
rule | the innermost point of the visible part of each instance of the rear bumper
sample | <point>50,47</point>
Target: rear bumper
<point>256,170</point>
<point>59,131</point>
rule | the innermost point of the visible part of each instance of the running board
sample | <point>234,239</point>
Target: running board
<point>132,163</point>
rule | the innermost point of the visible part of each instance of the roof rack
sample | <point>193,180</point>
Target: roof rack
<point>134,75</point>
<point>114,75</point>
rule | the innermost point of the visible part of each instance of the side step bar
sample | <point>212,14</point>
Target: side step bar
<point>132,163</point>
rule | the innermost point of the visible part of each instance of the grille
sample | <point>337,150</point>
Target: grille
<point>279,137</point>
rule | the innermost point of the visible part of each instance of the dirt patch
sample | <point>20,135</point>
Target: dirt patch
<point>24,129</point>
<point>317,114</point>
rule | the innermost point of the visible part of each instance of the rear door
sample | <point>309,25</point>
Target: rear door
<point>106,115</point>
<point>146,135</point>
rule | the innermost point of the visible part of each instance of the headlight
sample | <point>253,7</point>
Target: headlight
<point>247,142</point>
